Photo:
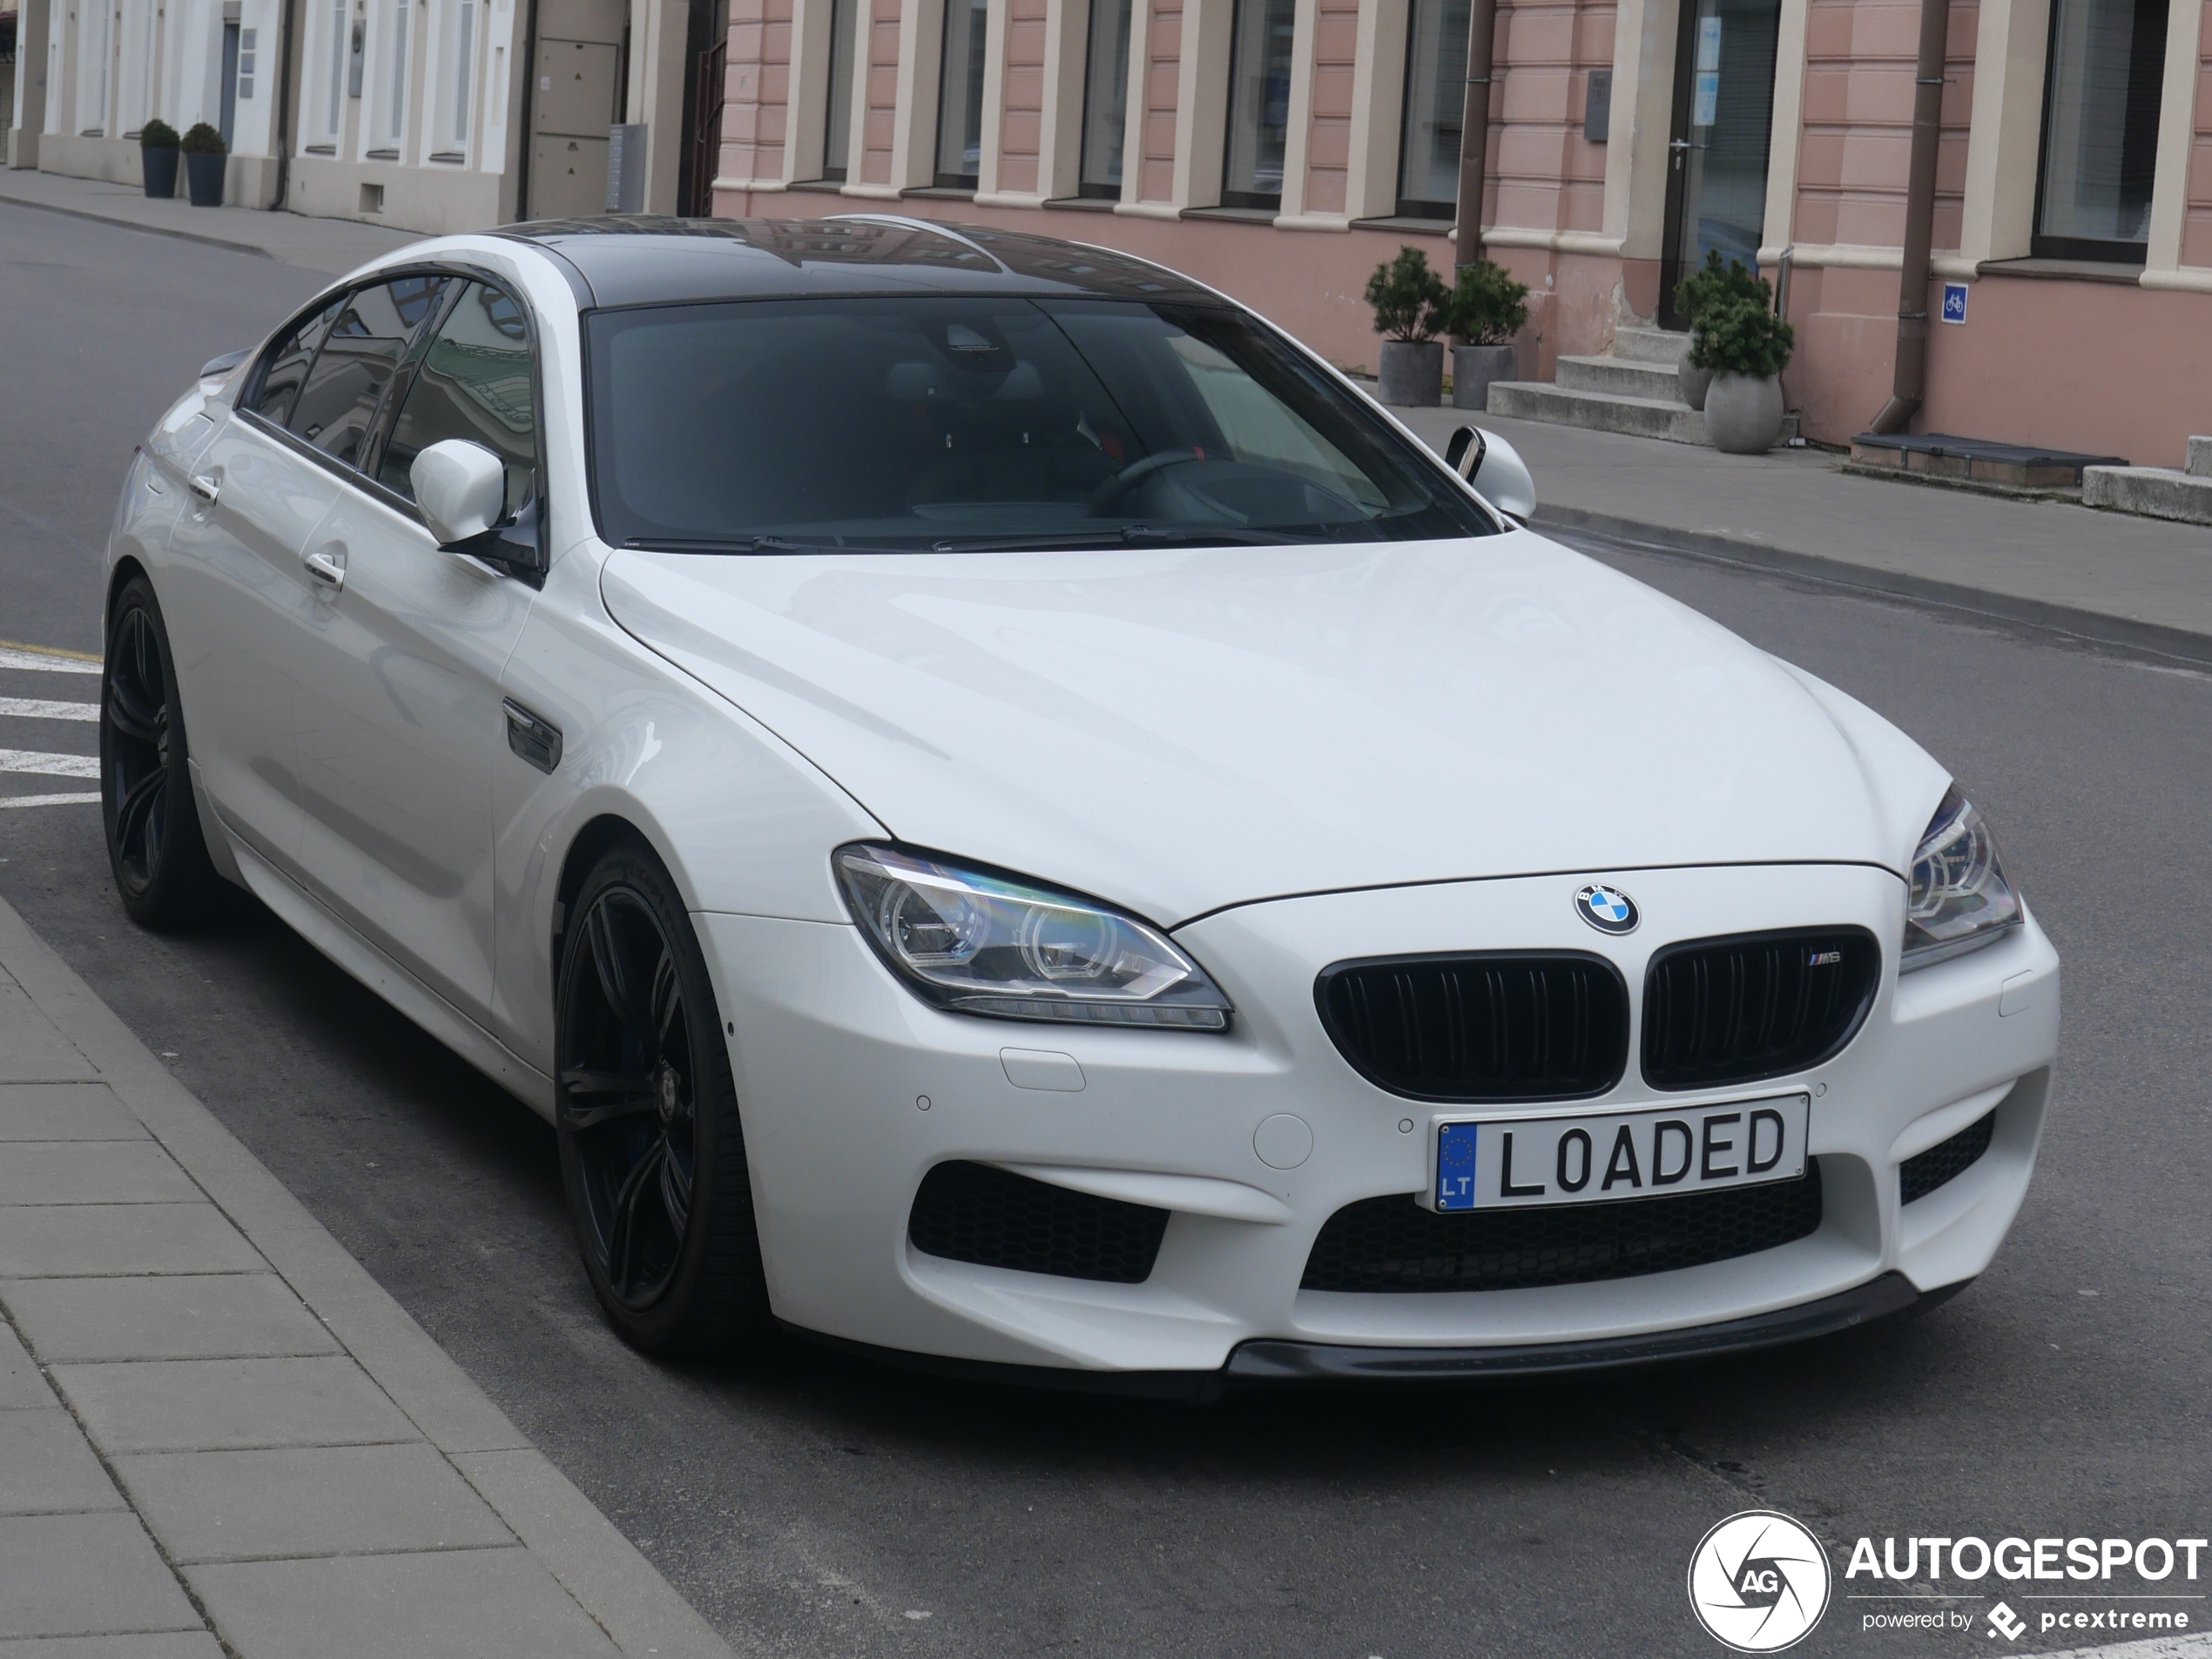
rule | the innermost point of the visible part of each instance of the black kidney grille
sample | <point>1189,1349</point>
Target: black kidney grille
<point>971,1213</point>
<point>1480,1026</point>
<point>1923,1173</point>
<point>1719,1011</point>
<point>1392,1245</point>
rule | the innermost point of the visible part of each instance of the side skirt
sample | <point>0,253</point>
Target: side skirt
<point>392,982</point>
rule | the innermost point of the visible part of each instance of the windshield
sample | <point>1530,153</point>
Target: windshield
<point>961,422</point>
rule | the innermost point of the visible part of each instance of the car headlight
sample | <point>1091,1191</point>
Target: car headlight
<point>1959,899</point>
<point>982,943</point>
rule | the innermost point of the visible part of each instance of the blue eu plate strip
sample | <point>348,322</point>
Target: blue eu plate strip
<point>1455,1166</point>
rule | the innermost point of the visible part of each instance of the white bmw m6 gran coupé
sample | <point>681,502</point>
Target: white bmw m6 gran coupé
<point>1007,815</point>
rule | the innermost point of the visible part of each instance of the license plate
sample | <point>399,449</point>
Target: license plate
<point>1593,1158</point>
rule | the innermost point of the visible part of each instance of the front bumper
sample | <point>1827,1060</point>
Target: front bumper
<point>834,1060</point>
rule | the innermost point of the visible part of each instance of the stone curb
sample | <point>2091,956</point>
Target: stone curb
<point>229,244</point>
<point>615,1585</point>
<point>2182,642</point>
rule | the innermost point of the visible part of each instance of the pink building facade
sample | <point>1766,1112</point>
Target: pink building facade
<point>1281,149</point>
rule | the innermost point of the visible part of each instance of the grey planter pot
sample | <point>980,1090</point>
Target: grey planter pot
<point>1412,373</point>
<point>160,163</point>
<point>1475,367</point>
<point>204,174</point>
<point>1694,383</point>
<point>1743,413</point>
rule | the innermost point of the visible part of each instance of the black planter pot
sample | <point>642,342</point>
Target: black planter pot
<point>160,164</point>
<point>204,173</point>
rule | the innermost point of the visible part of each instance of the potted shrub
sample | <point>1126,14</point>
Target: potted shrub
<point>204,154</point>
<point>1746,346</point>
<point>1705,289</point>
<point>1408,298</point>
<point>158,158</point>
<point>1482,313</point>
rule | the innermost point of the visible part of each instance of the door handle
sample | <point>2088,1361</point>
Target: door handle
<point>328,565</point>
<point>206,486</point>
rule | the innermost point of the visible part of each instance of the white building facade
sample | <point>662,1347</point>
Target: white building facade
<point>428,115</point>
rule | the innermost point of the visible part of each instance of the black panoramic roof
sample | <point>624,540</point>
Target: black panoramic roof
<point>642,260</point>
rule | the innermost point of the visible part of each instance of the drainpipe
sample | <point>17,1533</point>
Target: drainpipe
<point>284,78</point>
<point>1909,388</point>
<point>1474,127</point>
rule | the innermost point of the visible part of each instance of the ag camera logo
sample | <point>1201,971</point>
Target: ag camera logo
<point>1759,1582</point>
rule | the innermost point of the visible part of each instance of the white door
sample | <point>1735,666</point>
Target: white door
<point>400,723</point>
<point>237,590</point>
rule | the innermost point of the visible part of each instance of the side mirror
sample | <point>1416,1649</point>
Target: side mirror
<point>1494,468</point>
<point>462,488</point>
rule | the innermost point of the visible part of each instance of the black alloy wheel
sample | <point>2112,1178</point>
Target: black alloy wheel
<point>652,1153</point>
<point>154,843</point>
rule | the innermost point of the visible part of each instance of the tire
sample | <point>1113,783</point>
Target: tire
<point>154,844</point>
<point>652,1152</point>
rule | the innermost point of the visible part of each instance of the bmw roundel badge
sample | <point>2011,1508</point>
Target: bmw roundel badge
<point>1608,909</point>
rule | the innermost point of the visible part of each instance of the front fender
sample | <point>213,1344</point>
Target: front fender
<point>744,822</point>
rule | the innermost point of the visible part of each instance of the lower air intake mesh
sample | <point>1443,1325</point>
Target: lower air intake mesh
<point>972,1212</point>
<point>1393,1244</point>
<point>1945,1161</point>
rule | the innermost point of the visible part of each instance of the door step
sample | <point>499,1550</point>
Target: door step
<point>2156,492</point>
<point>1632,389</point>
<point>1624,376</point>
<point>1598,411</point>
<point>1651,346</point>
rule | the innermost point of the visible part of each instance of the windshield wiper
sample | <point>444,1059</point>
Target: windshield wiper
<point>742,544</point>
<point>1127,535</point>
<point>746,545</point>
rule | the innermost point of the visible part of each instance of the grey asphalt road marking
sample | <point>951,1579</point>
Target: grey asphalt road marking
<point>89,799</point>
<point>44,662</point>
<point>39,708</point>
<point>51,766</point>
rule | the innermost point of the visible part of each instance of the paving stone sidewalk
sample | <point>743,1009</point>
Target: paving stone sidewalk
<point>216,1427</point>
<point>2140,581</point>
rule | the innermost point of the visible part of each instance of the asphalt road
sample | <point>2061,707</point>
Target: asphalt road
<point>815,1504</point>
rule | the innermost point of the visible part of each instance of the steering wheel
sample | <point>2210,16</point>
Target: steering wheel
<point>1159,462</point>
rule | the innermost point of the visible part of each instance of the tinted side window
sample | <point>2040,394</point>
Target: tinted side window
<point>337,407</point>
<point>475,383</point>
<point>287,366</point>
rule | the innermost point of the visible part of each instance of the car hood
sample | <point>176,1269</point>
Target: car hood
<point>1180,729</point>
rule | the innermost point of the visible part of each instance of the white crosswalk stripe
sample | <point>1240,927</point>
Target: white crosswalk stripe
<point>37,708</point>
<point>42,662</point>
<point>6,801</point>
<point>49,764</point>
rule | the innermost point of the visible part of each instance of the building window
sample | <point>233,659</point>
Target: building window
<point>1260,103</point>
<point>959,102</point>
<point>837,133</point>
<point>2100,129</point>
<point>334,104</point>
<point>459,85</point>
<point>248,54</point>
<point>138,67</point>
<point>392,93</point>
<point>1436,70</point>
<point>91,71</point>
<point>1105,100</point>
